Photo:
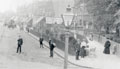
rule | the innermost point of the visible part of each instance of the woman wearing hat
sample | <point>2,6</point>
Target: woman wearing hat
<point>107,47</point>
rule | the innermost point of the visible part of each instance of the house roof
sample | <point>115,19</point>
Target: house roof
<point>37,20</point>
<point>52,20</point>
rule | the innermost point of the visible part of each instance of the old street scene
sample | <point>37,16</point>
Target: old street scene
<point>59,34</point>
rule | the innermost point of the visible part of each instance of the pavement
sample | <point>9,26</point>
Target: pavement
<point>97,61</point>
<point>32,56</point>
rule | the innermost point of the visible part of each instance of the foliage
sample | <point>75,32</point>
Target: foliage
<point>102,17</point>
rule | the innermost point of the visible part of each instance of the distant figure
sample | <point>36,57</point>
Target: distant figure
<point>107,47</point>
<point>115,49</point>
<point>20,42</point>
<point>77,48</point>
<point>50,42</point>
<point>91,36</point>
<point>83,52</point>
<point>52,46</point>
<point>41,42</point>
<point>83,43</point>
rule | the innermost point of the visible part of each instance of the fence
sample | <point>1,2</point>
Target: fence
<point>115,47</point>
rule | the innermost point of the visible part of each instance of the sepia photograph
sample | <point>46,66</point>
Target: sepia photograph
<point>59,34</point>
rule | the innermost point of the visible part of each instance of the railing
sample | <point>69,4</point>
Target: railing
<point>114,48</point>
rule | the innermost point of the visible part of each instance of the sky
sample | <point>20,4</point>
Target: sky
<point>61,5</point>
<point>11,5</point>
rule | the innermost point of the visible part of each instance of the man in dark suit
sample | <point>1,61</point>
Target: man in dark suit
<point>41,42</point>
<point>77,48</point>
<point>20,42</point>
<point>52,46</point>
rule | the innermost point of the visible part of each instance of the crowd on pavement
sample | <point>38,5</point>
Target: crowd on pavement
<point>82,48</point>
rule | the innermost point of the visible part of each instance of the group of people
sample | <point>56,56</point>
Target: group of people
<point>80,49</point>
<point>51,45</point>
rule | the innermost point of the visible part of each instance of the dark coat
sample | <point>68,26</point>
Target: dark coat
<point>107,47</point>
<point>20,41</point>
<point>41,40</point>
<point>50,42</point>
<point>83,51</point>
<point>52,46</point>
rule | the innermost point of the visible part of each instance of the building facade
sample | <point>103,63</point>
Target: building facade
<point>83,18</point>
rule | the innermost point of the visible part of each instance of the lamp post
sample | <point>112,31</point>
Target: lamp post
<point>67,20</point>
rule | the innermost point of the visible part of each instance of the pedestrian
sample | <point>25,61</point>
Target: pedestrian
<point>41,42</point>
<point>91,36</point>
<point>83,50</point>
<point>77,48</point>
<point>84,43</point>
<point>20,43</point>
<point>52,46</point>
<point>50,42</point>
<point>107,47</point>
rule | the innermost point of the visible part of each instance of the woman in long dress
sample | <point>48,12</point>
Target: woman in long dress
<point>107,47</point>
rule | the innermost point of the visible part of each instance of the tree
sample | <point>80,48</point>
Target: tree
<point>102,18</point>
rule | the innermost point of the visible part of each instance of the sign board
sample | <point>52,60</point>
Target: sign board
<point>52,20</point>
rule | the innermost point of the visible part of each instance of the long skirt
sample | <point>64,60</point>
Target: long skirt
<point>107,50</point>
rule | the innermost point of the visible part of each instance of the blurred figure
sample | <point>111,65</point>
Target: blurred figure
<point>91,37</point>
<point>50,42</point>
<point>52,46</point>
<point>20,42</point>
<point>83,50</point>
<point>77,48</point>
<point>107,47</point>
<point>84,43</point>
<point>41,42</point>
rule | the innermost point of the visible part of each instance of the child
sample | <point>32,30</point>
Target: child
<point>83,52</point>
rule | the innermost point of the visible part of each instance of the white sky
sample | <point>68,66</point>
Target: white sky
<point>11,5</point>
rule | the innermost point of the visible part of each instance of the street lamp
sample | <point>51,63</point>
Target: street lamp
<point>67,20</point>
